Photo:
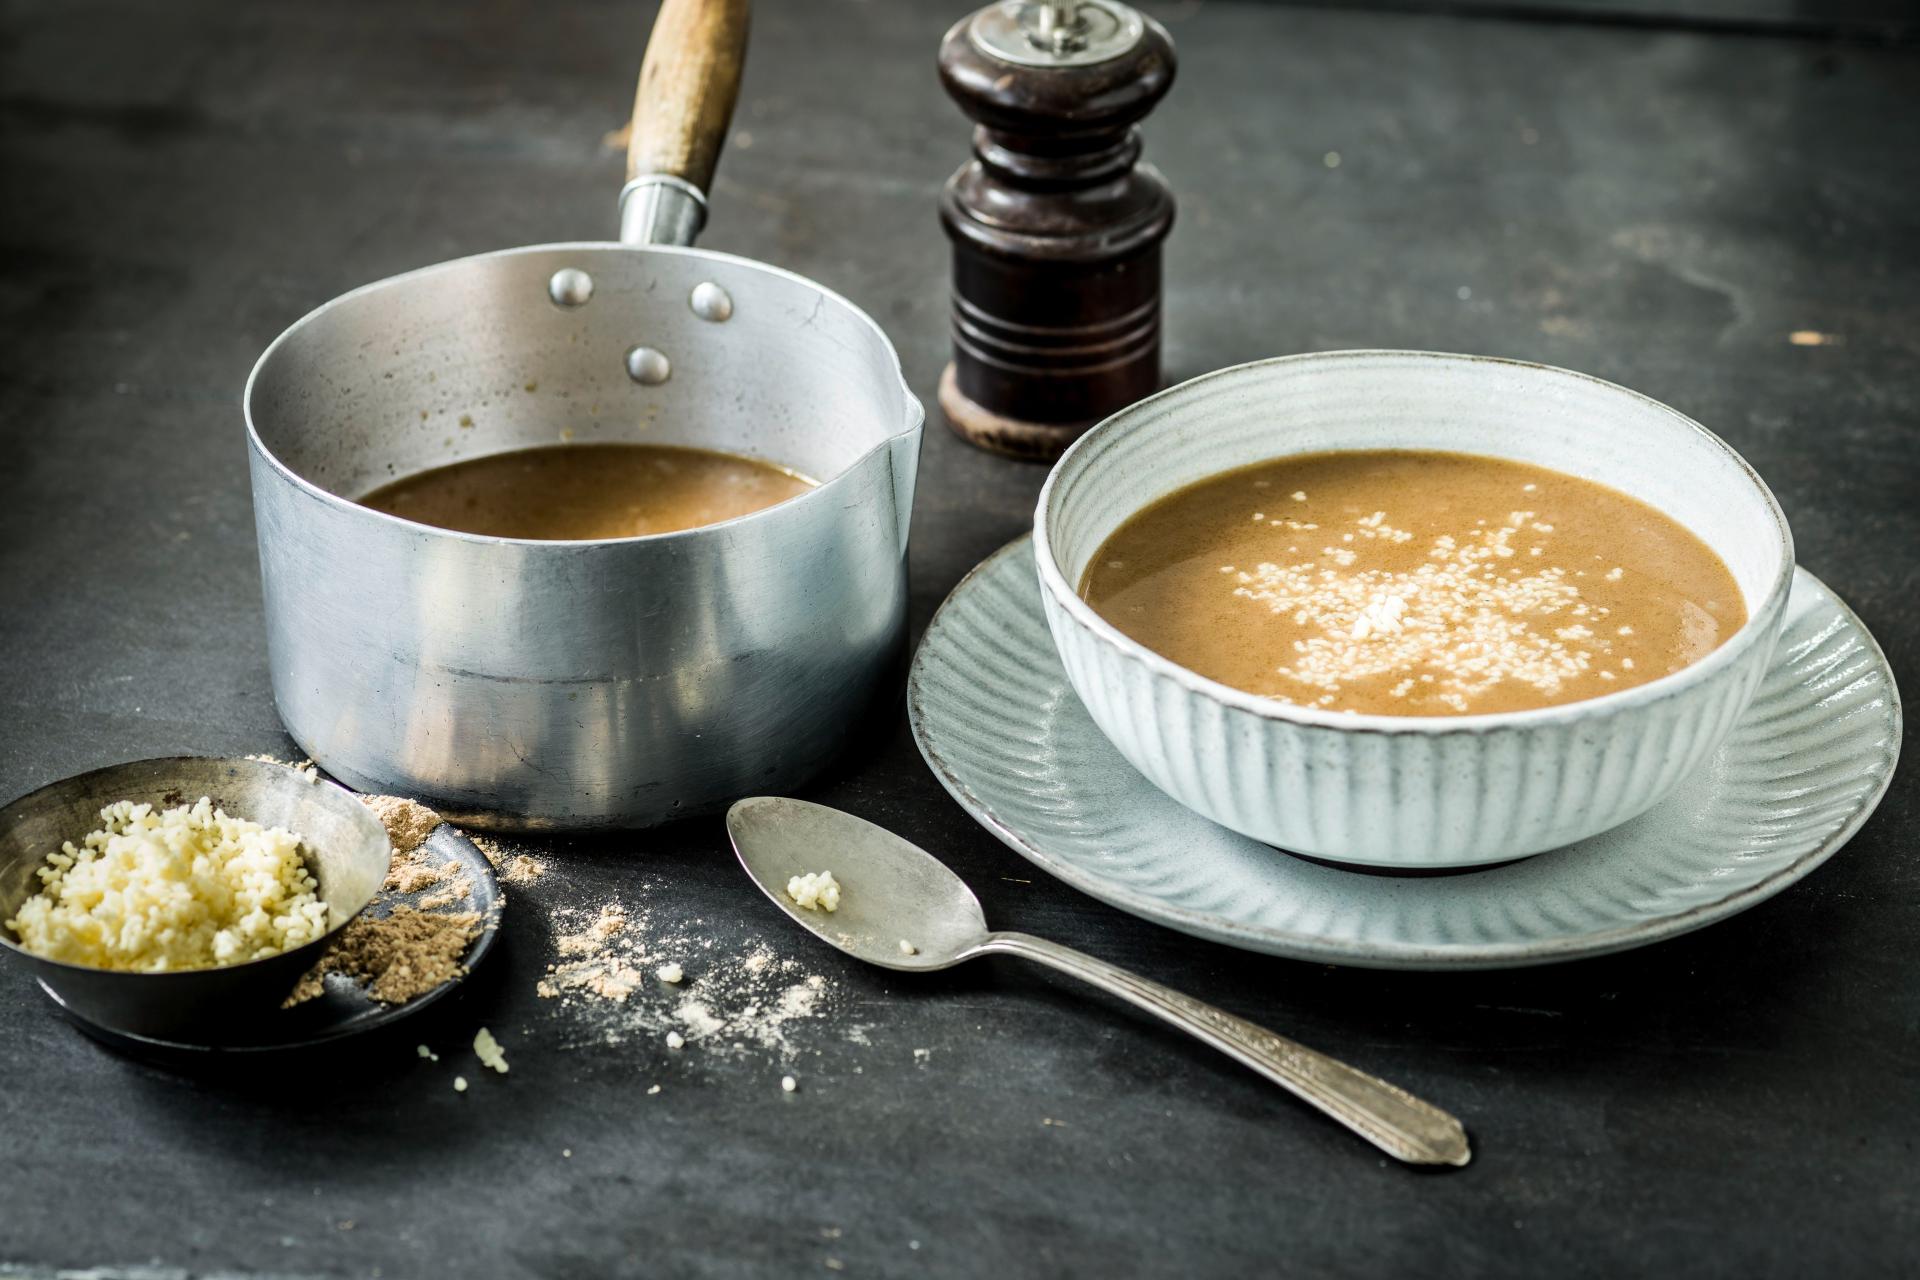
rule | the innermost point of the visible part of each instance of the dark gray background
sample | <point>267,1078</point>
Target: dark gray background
<point>1660,207</point>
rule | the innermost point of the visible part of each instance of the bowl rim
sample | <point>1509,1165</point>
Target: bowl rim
<point>1062,595</point>
<point>8,941</point>
<point>912,421</point>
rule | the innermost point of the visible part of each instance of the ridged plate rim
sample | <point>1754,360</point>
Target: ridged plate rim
<point>925,716</point>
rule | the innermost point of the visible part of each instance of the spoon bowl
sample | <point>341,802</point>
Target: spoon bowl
<point>891,890</point>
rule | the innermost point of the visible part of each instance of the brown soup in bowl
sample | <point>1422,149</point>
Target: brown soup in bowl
<point>1415,583</point>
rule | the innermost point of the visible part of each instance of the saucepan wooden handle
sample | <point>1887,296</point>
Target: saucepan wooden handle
<point>688,83</point>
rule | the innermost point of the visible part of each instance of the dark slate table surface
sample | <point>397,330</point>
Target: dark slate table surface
<point>1658,207</point>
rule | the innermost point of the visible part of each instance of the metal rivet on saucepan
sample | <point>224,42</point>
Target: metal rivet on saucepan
<point>710,302</point>
<point>570,287</point>
<point>647,366</point>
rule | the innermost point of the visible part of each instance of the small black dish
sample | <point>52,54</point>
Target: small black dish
<point>343,1008</point>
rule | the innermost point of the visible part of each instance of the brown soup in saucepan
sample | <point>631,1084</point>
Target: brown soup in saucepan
<point>1401,582</point>
<point>586,491</point>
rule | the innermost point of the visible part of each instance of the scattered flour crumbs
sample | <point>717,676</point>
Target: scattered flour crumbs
<point>512,868</point>
<point>624,971</point>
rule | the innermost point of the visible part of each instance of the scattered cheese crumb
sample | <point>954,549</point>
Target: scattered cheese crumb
<point>566,1153</point>
<point>427,1053</point>
<point>670,973</point>
<point>908,949</point>
<point>459,1084</point>
<point>788,1084</point>
<point>653,1089</point>
<point>816,889</point>
<point>675,1040</point>
<point>488,1050</point>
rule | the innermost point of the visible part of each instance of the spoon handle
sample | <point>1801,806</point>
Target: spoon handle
<point>1391,1118</point>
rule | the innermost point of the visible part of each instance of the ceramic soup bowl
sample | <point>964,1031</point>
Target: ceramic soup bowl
<point>1408,792</point>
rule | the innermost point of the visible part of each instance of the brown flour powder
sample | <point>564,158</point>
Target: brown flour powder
<point>522,869</point>
<point>398,956</point>
<point>455,887</point>
<point>494,852</point>
<point>408,822</point>
<point>413,948</point>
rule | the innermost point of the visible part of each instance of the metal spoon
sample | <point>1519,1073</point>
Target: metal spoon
<point>901,908</point>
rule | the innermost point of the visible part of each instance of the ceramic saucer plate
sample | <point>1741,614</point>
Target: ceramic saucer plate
<point>343,1008</point>
<point>997,722</point>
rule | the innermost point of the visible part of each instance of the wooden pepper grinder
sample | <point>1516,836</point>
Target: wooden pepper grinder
<point>1056,227</point>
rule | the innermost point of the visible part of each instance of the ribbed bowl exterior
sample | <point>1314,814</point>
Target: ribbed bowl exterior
<point>1408,792</point>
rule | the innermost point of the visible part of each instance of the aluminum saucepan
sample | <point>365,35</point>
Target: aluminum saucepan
<point>528,685</point>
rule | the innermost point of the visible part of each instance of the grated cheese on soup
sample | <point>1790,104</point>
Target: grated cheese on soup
<point>184,888</point>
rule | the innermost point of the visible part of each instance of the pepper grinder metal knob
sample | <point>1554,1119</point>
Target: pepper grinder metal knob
<point>1056,226</point>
